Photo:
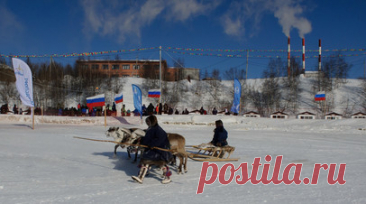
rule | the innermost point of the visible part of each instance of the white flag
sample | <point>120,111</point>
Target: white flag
<point>24,82</point>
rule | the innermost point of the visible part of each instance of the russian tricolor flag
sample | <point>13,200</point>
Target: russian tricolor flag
<point>98,100</point>
<point>320,96</point>
<point>154,93</point>
<point>118,98</point>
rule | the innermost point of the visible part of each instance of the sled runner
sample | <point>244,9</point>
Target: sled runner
<point>209,152</point>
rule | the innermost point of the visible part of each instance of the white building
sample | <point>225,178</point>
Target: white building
<point>279,115</point>
<point>306,115</point>
<point>252,114</point>
<point>359,115</point>
<point>333,116</point>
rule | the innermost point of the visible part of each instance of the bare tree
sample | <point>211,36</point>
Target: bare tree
<point>362,94</point>
<point>214,89</point>
<point>179,63</point>
<point>268,99</point>
<point>233,73</point>
<point>255,97</point>
<point>8,90</point>
<point>335,71</point>
<point>291,88</point>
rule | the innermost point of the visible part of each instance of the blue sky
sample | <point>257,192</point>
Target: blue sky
<point>42,27</point>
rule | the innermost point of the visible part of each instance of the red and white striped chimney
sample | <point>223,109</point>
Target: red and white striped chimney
<point>303,55</point>
<point>320,54</point>
<point>288,57</point>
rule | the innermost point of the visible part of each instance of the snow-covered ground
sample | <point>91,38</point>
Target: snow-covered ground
<point>49,165</point>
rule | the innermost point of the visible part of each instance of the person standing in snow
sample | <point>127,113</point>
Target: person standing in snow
<point>114,107</point>
<point>15,109</point>
<point>214,111</point>
<point>150,109</point>
<point>123,110</point>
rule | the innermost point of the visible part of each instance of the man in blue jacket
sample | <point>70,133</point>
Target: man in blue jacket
<point>155,137</point>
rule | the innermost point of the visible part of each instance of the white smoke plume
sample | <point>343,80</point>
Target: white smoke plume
<point>288,12</point>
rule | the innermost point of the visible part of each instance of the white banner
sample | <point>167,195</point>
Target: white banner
<point>24,82</point>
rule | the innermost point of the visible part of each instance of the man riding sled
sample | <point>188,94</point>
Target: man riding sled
<point>155,137</point>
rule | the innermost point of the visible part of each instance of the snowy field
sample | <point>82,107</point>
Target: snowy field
<point>49,165</point>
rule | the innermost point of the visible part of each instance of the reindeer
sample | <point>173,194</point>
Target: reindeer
<point>177,145</point>
<point>120,135</point>
<point>134,135</point>
<point>134,140</point>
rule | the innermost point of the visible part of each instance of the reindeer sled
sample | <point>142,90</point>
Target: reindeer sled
<point>209,152</point>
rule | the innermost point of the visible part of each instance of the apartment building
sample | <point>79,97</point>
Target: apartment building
<point>138,68</point>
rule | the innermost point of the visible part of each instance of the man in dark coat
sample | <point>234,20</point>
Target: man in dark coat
<point>155,137</point>
<point>214,111</point>
<point>220,136</point>
<point>15,109</point>
<point>150,109</point>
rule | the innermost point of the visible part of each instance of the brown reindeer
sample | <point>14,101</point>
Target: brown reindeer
<point>177,145</point>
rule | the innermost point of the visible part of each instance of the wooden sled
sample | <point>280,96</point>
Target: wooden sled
<point>212,153</point>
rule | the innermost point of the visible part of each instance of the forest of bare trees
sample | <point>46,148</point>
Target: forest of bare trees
<point>278,91</point>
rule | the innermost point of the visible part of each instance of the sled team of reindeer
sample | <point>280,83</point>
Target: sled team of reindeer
<point>130,138</point>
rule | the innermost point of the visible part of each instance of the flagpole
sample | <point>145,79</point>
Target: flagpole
<point>105,116</point>
<point>33,118</point>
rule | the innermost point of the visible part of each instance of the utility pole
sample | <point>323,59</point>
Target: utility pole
<point>246,73</point>
<point>50,66</point>
<point>364,70</point>
<point>161,94</point>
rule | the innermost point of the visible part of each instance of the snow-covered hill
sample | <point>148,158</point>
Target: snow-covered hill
<point>344,99</point>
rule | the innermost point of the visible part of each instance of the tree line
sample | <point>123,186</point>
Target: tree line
<point>279,91</point>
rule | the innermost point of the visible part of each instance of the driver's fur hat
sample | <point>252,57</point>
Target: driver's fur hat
<point>152,119</point>
<point>219,123</point>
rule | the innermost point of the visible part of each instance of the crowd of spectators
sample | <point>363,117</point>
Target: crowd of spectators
<point>83,110</point>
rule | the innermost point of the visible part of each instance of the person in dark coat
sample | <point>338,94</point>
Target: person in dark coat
<point>214,111</point>
<point>160,108</point>
<point>155,137</point>
<point>220,135</point>
<point>185,112</point>
<point>15,109</point>
<point>202,110</point>
<point>144,109</point>
<point>150,109</point>
<point>114,107</point>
